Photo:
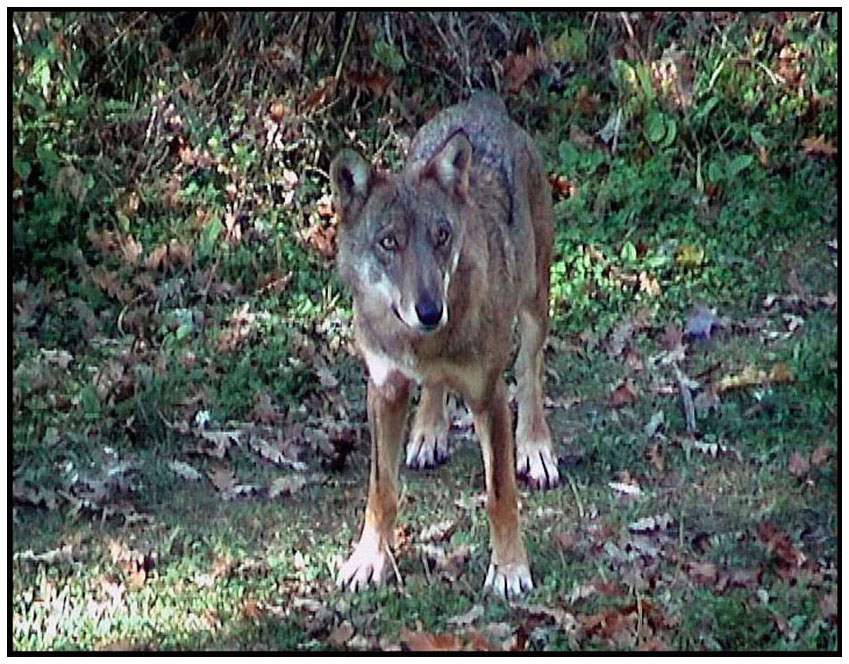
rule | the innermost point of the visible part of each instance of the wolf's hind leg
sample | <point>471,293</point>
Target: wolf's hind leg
<point>428,443</point>
<point>536,461</point>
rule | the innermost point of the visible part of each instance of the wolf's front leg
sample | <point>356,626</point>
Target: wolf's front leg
<point>509,574</point>
<point>387,414</point>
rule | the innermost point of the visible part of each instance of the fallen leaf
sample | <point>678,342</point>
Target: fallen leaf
<point>627,489</point>
<point>252,610</point>
<point>703,574</point>
<point>518,68</point>
<point>561,186</point>
<point>466,619</point>
<point>341,635</point>
<point>625,394</point>
<point>653,645</point>
<point>184,470</point>
<point>654,425</point>
<point>779,545</point>
<point>651,523</point>
<point>222,478</point>
<point>744,577</point>
<point>780,373</point>
<point>746,378</point>
<point>52,557</point>
<point>654,454</point>
<point>798,466</point>
<point>821,455</point>
<point>689,256</point>
<point>701,323</point>
<point>438,532</point>
<point>324,92</point>
<point>829,607</point>
<point>649,285</point>
<point>427,642</point>
<point>286,486</point>
<point>818,145</point>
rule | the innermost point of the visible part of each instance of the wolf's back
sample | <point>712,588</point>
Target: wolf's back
<point>495,138</point>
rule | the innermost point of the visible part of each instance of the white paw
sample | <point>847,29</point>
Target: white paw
<point>367,566</point>
<point>537,465</point>
<point>427,448</point>
<point>508,581</point>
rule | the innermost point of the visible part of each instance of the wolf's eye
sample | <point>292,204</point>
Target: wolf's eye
<point>442,236</point>
<point>388,243</point>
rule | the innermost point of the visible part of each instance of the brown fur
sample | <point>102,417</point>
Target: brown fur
<point>442,258</point>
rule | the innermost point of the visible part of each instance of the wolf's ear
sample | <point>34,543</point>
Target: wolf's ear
<point>451,164</point>
<point>350,177</point>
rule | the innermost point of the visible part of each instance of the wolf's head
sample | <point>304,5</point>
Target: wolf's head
<point>401,235</point>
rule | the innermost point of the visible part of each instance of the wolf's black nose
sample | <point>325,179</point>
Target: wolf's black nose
<point>429,312</point>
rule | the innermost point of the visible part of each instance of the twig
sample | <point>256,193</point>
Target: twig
<point>124,311</point>
<point>687,399</point>
<point>124,32</point>
<point>395,567</point>
<point>627,22</point>
<point>577,496</point>
<point>426,569</point>
<point>345,47</point>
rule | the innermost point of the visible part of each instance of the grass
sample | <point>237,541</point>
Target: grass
<point>153,292</point>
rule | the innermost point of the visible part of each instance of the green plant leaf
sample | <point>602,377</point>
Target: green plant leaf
<point>739,163</point>
<point>671,132</point>
<point>22,167</point>
<point>568,154</point>
<point>758,138</point>
<point>629,252</point>
<point>655,127</point>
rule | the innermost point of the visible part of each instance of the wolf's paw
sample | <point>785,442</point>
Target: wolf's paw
<point>427,447</point>
<point>508,581</point>
<point>537,465</point>
<point>368,565</point>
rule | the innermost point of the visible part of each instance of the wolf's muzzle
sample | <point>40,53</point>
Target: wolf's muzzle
<point>429,312</point>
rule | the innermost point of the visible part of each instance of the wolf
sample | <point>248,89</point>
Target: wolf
<point>442,258</point>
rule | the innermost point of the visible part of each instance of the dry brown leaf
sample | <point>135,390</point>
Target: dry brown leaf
<point>798,466</point>
<point>427,642</point>
<point>818,145</point>
<point>703,574</point>
<point>222,478</point>
<point>378,85</point>
<point>157,257</point>
<point>277,111</point>
<point>829,607</point>
<point>252,610</point>
<point>561,186</point>
<point>781,373</point>
<point>518,68</point>
<point>131,250</point>
<point>625,394</point>
<point>322,94</point>
<point>779,545</point>
<point>341,635</point>
<point>821,455</point>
